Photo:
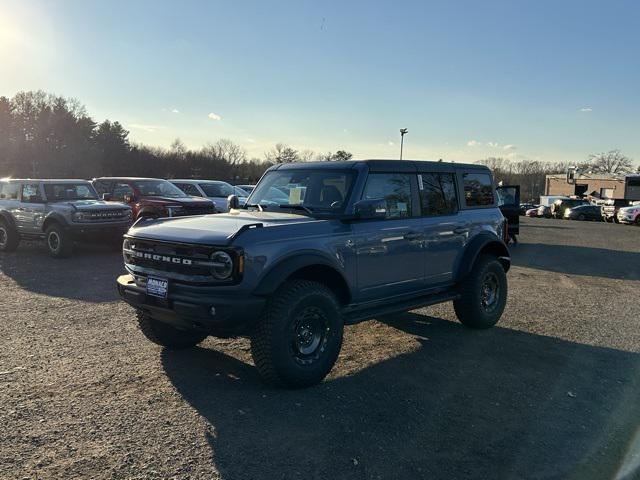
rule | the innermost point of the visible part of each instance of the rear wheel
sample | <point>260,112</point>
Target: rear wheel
<point>166,335</point>
<point>483,294</point>
<point>9,238</point>
<point>299,336</point>
<point>59,241</point>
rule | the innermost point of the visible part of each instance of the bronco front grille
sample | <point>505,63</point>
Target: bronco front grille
<point>169,257</point>
<point>105,215</point>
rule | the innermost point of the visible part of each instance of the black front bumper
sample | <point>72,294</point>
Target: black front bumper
<point>87,231</point>
<point>196,307</point>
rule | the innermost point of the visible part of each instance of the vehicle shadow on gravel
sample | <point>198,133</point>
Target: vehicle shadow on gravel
<point>577,260</point>
<point>467,404</point>
<point>88,275</point>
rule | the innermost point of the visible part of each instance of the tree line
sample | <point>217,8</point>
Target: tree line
<point>531,174</point>
<point>44,135</point>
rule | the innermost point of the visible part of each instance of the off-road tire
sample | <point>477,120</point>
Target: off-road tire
<point>279,337</point>
<point>59,242</point>
<point>9,238</point>
<point>166,335</point>
<point>469,308</point>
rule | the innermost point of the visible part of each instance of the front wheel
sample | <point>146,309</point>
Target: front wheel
<point>483,294</point>
<point>9,238</point>
<point>59,241</point>
<point>298,339</point>
<point>166,335</point>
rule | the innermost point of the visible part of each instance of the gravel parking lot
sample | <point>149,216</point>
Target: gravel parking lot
<point>552,392</point>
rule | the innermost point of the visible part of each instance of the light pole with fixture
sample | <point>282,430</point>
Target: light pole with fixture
<point>403,132</point>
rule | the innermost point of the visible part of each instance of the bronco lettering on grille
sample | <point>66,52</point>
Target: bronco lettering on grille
<point>162,258</point>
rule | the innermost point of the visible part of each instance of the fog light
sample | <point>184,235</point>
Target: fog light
<point>213,311</point>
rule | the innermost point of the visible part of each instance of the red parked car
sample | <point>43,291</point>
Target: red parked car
<point>152,197</point>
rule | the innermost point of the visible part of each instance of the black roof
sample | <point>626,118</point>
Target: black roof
<point>382,165</point>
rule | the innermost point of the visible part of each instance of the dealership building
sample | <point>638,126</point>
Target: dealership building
<point>601,185</point>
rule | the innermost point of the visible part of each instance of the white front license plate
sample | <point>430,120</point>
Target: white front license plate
<point>157,287</point>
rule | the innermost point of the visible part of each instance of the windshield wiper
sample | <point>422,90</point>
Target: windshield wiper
<point>296,207</point>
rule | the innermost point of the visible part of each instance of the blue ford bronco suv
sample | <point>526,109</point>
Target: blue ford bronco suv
<point>318,246</point>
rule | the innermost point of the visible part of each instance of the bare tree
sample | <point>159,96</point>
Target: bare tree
<point>282,153</point>
<point>610,162</point>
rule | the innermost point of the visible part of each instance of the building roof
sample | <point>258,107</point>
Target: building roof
<point>590,176</point>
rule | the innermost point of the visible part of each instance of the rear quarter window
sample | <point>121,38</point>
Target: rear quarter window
<point>478,189</point>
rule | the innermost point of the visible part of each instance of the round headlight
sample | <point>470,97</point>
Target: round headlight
<point>223,267</point>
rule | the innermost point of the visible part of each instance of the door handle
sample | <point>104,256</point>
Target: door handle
<point>412,236</point>
<point>460,230</point>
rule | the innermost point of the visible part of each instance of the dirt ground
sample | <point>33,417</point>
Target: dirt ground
<point>551,392</point>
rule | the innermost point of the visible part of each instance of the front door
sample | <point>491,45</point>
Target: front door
<point>509,203</point>
<point>389,251</point>
<point>30,214</point>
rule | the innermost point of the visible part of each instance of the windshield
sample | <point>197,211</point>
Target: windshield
<point>219,189</point>
<point>69,191</point>
<point>158,188</point>
<point>325,190</point>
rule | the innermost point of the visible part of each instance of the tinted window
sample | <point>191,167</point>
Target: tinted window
<point>437,193</point>
<point>69,191</point>
<point>158,188</point>
<point>189,189</point>
<point>102,186</point>
<point>478,189</point>
<point>9,191</point>
<point>394,188</point>
<point>217,189</point>
<point>120,190</point>
<point>31,193</point>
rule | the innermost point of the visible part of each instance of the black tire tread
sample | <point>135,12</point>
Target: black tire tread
<point>278,306</point>
<point>466,307</point>
<point>13,239</point>
<point>65,238</point>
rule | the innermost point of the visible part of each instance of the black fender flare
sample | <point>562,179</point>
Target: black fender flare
<point>285,267</point>
<point>54,217</point>
<point>483,242</point>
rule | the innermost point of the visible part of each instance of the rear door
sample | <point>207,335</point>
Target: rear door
<point>509,203</point>
<point>30,213</point>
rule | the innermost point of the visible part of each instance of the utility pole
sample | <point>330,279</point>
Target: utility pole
<point>403,132</point>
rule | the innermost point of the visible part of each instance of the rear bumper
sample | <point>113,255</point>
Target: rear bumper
<point>196,307</point>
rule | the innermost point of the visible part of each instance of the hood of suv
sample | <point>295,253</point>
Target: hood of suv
<point>179,201</point>
<point>91,205</point>
<point>210,229</point>
<point>630,209</point>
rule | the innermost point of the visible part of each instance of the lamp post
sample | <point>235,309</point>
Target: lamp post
<point>403,132</point>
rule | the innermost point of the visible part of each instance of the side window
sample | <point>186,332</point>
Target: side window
<point>3,187</point>
<point>392,187</point>
<point>120,190</point>
<point>31,193</point>
<point>478,189</point>
<point>9,191</point>
<point>438,193</point>
<point>189,189</point>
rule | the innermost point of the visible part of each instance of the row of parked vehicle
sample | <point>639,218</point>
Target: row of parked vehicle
<point>618,211</point>
<point>62,212</point>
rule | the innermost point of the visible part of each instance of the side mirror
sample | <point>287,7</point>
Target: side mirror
<point>233,202</point>
<point>106,197</point>
<point>128,198</point>
<point>370,209</point>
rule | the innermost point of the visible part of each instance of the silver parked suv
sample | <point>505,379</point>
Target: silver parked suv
<point>60,212</point>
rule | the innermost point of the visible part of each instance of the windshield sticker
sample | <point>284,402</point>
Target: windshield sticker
<point>296,195</point>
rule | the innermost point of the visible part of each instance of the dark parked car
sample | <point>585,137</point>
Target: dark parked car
<point>584,212</point>
<point>152,197</point>
<point>526,206</point>
<point>559,206</point>
<point>354,240</point>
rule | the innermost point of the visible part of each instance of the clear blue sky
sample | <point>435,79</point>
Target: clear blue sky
<point>549,80</point>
